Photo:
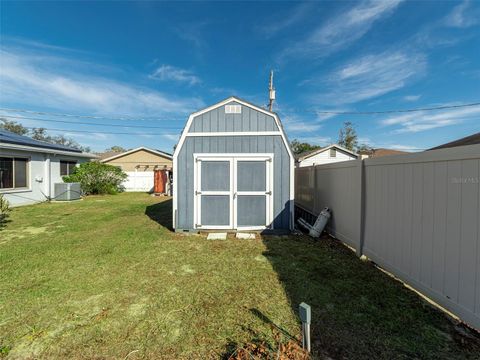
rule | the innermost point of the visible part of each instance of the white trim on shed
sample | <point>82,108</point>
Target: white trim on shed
<point>280,132</point>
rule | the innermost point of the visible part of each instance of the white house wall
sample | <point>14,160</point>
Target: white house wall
<point>41,176</point>
<point>324,158</point>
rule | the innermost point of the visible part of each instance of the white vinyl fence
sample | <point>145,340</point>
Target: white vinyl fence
<point>415,215</point>
<point>139,181</point>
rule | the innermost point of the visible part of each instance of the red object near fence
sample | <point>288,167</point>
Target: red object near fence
<point>160,182</point>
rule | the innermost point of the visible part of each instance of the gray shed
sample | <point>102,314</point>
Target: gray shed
<point>233,170</point>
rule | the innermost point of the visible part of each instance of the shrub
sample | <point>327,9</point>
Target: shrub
<point>97,178</point>
<point>4,211</point>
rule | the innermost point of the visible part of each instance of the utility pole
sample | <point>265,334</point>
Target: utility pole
<point>271,92</point>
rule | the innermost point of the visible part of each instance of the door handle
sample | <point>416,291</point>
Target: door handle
<point>198,192</point>
<point>268,193</point>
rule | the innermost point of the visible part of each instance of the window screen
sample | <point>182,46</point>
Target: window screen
<point>13,173</point>
<point>6,173</point>
<point>67,167</point>
<point>20,172</point>
<point>333,152</point>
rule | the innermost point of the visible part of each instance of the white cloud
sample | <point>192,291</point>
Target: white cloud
<point>172,137</point>
<point>402,147</point>
<point>383,145</point>
<point>371,76</point>
<point>294,124</point>
<point>301,126</point>
<point>412,97</point>
<point>462,16</point>
<point>63,83</point>
<point>422,121</point>
<point>192,32</point>
<point>281,22</point>
<point>315,140</point>
<point>172,73</point>
<point>342,30</point>
<point>95,135</point>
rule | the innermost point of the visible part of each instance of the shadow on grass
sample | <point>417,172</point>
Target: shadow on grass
<point>358,312</point>
<point>268,321</point>
<point>3,222</point>
<point>161,213</point>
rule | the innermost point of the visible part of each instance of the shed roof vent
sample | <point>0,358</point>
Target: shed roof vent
<point>233,109</point>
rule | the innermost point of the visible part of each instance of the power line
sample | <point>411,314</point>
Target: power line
<point>393,111</point>
<point>103,132</point>
<point>131,117</point>
<point>94,124</point>
<point>113,117</point>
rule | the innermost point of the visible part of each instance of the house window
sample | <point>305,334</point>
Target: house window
<point>67,167</point>
<point>13,173</point>
<point>333,153</point>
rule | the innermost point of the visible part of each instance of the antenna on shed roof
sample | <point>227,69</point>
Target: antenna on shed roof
<point>271,91</point>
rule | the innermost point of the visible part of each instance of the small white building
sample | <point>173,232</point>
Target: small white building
<point>30,168</point>
<point>330,154</point>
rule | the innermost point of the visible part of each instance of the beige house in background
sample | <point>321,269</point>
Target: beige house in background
<point>139,164</point>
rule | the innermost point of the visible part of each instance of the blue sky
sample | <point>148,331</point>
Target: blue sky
<point>150,64</point>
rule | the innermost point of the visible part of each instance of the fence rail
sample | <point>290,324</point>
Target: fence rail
<point>416,215</point>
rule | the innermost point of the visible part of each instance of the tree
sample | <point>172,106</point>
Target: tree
<point>42,135</point>
<point>13,126</point>
<point>364,147</point>
<point>347,136</point>
<point>116,148</point>
<point>300,147</point>
<point>97,178</point>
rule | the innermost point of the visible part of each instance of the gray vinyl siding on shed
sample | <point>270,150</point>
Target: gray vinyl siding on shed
<point>217,121</point>
<point>233,144</point>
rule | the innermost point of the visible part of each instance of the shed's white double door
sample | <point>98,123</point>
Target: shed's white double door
<point>233,191</point>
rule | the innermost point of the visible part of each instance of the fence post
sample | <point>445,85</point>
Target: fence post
<point>314,177</point>
<point>361,206</point>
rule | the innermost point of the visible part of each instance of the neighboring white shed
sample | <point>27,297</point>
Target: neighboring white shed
<point>326,155</point>
<point>233,170</point>
<point>30,168</point>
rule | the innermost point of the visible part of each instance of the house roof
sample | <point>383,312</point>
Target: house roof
<point>108,154</point>
<point>467,140</point>
<point>375,153</point>
<point>8,137</point>
<point>310,153</point>
<point>111,155</point>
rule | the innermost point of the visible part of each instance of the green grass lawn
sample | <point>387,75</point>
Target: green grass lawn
<point>106,277</point>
